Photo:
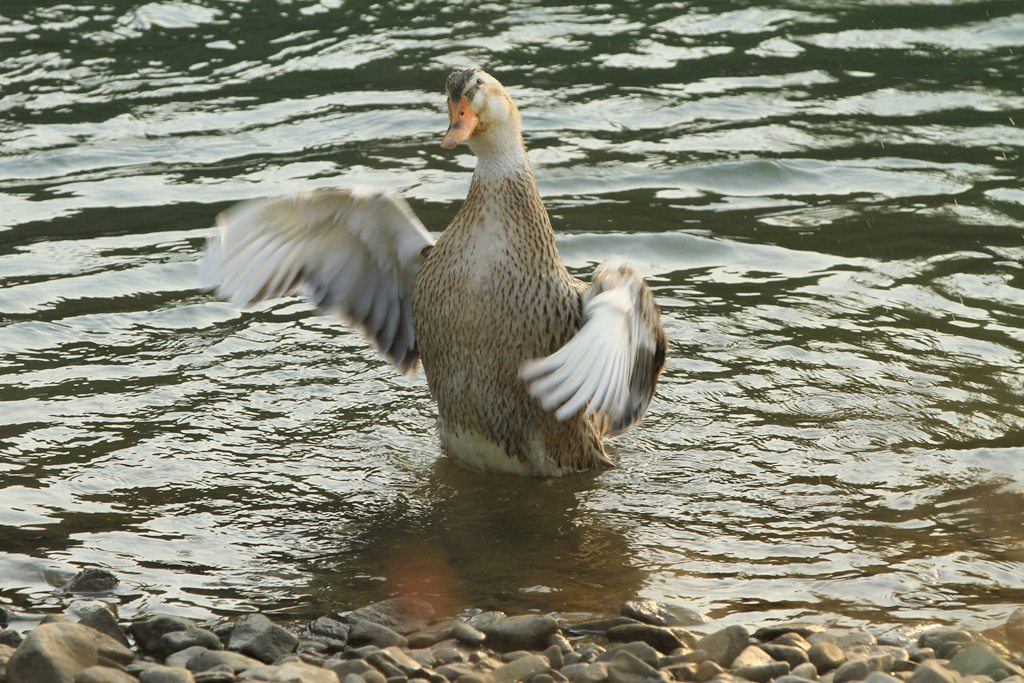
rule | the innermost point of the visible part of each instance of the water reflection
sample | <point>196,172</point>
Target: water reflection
<point>467,538</point>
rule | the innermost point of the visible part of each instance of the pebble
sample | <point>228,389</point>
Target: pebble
<point>166,674</point>
<point>53,653</point>
<point>598,625</point>
<point>658,637</point>
<point>932,671</point>
<point>661,614</point>
<point>627,668</point>
<point>858,669</point>
<point>723,646</point>
<point>10,638</point>
<point>98,615</point>
<point>467,634</point>
<point>807,670</point>
<point>255,635</point>
<point>982,660</point>
<point>800,628</point>
<point>594,672</point>
<point>529,632</point>
<point>792,655</point>
<point>104,674</point>
<point>150,629</point>
<point>638,649</point>
<point>521,669</point>
<point>490,647</point>
<point>826,656</point>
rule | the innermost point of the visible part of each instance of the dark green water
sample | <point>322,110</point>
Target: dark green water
<point>828,198</point>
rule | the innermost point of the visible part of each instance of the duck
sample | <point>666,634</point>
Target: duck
<point>531,368</point>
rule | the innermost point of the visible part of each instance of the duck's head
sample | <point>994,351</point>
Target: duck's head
<point>480,110</point>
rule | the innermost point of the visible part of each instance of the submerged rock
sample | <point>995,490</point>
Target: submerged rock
<point>401,615</point>
<point>92,580</point>
<point>661,614</point>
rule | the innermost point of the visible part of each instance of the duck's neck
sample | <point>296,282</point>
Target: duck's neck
<point>500,154</point>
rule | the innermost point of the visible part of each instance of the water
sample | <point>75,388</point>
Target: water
<point>828,199</point>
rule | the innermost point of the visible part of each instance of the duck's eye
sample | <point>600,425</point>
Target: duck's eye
<point>479,81</point>
<point>462,112</point>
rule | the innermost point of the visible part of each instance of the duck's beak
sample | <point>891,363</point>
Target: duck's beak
<point>462,121</point>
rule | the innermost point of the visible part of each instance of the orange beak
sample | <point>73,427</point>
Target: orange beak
<point>462,122</point>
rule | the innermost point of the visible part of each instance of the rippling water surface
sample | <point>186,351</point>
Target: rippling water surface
<point>828,198</point>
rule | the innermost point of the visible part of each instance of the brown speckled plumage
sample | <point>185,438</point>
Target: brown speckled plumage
<point>479,319</point>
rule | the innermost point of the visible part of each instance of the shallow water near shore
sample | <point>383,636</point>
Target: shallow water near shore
<point>827,197</point>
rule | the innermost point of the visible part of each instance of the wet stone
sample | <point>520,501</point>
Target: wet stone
<point>707,670</point>
<point>807,670</point>
<point>53,653</point>
<point>793,678</point>
<point>802,629</point>
<point>433,634</point>
<point>659,638</point>
<point>638,649</point>
<point>92,580</point>
<point>10,638</point>
<point>166,674</point>
<point>944,638</point>
<point>794,656</point>
<point>200,660</point>
<point>594,672</point>
<point>858,669</point>
<point>826,656</point>
<point>751,656</point>
<point>371,633</point>
<point>761,673</point>
<point>255,635</point>
<point>349,667</point>
<point>792,640</point>
<point>626,668</point>
<point>214,677</point>
<point>150,629</point>
<point>723,646</point>
<point>467,634</point>
<point>175,641</point>
<point>982,660</point>
<point>327,627</point>
<point>104,674</point>
<point>401,615</point>
<point>97,615</point>
<point>881,677</point>
<point>661,614</point>
<point>521,669</point>
<point>555,656</point>
<point>530,632</point>
<point>932,671</point>
<point>598,625</point>
<point>289,672</point>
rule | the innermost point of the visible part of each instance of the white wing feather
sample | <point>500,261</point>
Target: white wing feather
<point>355,253</point>
<point>608,369</point>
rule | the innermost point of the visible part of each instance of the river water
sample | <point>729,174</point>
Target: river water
<point>828,198</point>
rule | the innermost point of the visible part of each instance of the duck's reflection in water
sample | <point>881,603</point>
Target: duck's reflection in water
<point>468,539</point>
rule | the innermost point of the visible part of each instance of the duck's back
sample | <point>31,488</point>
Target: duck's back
<point>493,294</point>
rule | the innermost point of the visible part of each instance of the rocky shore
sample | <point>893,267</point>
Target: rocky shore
<point>399,640</point>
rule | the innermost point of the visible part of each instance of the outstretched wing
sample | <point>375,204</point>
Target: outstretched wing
<point>355,253</point>
<point>609,368</point>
